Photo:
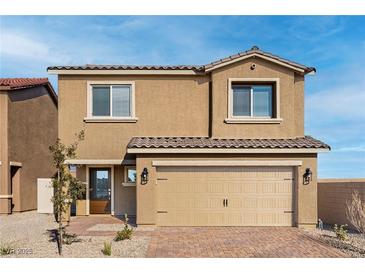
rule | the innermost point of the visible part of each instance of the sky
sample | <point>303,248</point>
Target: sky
<point>335,45</point>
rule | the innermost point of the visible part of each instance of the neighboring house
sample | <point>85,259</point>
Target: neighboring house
<point>28,126</point>
<point>215,145</point>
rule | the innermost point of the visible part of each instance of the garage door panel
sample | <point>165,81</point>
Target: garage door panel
<point>257,196</point>
<point>266,203</point>
<point>269,187</point>
<point>248,202</point>
<point>284,203</point>
<point>267,219</point>
<point>284,187</point>
<point>200,187</point>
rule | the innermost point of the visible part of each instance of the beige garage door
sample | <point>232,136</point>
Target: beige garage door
<point>225,196</point>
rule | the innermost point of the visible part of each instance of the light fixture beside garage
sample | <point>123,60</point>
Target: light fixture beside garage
<point>307,176</point>
<point>144,176</point>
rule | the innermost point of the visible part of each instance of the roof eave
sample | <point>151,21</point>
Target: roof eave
<point>226,150</point>
<point>122,72</point>
<point>299,69</point>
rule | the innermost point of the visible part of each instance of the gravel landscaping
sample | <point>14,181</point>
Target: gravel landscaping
<point>354,246</point>
<point>31,235</point>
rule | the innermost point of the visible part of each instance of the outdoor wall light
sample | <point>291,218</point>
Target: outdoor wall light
<point>307,176</point>
<point>144,176</point>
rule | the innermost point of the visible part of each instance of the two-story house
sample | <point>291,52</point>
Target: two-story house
<point>221,144</point>
<point>28,126</point>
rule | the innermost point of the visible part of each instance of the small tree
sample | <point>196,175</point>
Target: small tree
<point>67,188</point>
<point>355,211</point>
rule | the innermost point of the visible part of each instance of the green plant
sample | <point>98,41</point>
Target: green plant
<point>341,232</point>
<point>70,238</point>
<point>67,187</point>
<point>6,249</point>
<point>107,250</point>
<point>126,232</point>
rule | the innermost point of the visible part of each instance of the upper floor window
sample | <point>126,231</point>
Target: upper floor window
<point>111,101</point>
<point>252,100</point>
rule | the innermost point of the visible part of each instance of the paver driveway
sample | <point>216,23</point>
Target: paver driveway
<point>264,242</point>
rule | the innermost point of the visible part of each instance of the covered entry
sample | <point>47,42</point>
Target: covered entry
<point>225,195</point>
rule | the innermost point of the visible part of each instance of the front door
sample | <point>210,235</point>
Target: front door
<point>100,190</point>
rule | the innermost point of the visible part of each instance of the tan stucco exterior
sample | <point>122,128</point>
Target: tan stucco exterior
<point>185,105</point>
<point>29,117</point>
<point>165,106</point>
<point>291,101</point>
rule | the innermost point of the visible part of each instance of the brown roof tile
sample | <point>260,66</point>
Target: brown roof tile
<point>10,84</point>
<point>129,67</point>
<point>197,68</point>
<point>256,50</point>
<point>206,142</point>
<point>17,83</point>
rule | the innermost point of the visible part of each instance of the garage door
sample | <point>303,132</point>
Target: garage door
<point>225,196</point>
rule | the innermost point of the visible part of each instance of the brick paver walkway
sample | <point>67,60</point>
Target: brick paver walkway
<point>231,242</point>
<point>264,242</point>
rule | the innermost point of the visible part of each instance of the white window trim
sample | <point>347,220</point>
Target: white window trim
<point>231,119</point>
<point>88,186</point>
<point>126,183</point>
<point>100,119</point>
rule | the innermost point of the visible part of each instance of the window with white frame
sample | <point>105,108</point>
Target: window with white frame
<point>130,174</point>
<point>114,101</point>
<point>252,100</point>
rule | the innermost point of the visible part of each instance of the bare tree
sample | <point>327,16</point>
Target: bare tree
<point>67,188</point>
<point>355,211</point>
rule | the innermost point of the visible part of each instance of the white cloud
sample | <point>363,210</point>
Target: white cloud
<point>352,149</point>
<point>309,28</point>
<point>344,102</point>
<point>21,46</point>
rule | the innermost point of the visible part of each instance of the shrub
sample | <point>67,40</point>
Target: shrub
<point>341,232</point>
<point>126,232</point>
<point>70,238</point>
<point>107,250</point>
<point>6,250</point>
<point>355,211</point>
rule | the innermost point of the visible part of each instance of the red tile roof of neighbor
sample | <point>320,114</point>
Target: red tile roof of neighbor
<point>206,142</point>
<point>198,68</point>
<point>23,83</point>
<point>18,83</point>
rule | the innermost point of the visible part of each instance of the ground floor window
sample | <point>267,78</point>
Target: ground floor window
<point>130,174</point>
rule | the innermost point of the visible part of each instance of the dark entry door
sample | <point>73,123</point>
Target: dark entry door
<point>100,190</point>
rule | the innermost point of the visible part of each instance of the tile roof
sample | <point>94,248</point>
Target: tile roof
<point>256,50</point>
<point>19,83</point>
<point>197,68</point>
<point>206,142</point>
<point>128,67</point>
<point>22,83</point>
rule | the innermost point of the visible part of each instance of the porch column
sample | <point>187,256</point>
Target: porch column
<point>146,193</point>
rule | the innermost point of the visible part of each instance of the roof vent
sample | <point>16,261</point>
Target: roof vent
<point>255,48</point>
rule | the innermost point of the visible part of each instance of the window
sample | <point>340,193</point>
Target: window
<point>252,100</point>
<point>111,101</point>
<point>130,176</point>
<point>72,168</point>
